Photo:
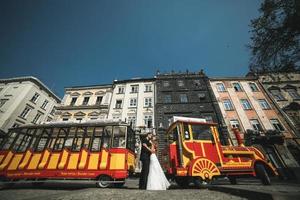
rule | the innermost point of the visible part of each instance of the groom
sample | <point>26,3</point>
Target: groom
<point>145,158</point>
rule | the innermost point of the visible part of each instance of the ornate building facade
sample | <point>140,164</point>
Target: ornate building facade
<point>83,103</point>
<point>247,106</point>
<point>25,100</point>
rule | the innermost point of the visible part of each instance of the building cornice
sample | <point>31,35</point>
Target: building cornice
<point>33,80</point>
<point>82,107</point>
<point>134,80</point>
<point>88,87</point>
<point>251,78</point>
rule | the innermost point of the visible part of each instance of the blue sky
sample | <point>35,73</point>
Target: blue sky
<point>71,42</point>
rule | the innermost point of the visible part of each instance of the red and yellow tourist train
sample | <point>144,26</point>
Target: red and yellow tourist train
<point>195,153</point>
<point>102,151</point>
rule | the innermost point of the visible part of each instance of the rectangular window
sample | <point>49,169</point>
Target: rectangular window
<point>221,87</point>
<point>227,104</point>
<point>73,101</point>
<point>132,102</point>
<point>132,120</point>
<point>99,100</point>
<point>277,95</point>
<point>237,87</point>
<point>118,104</point>
<point>148,102</point>
<point>166,83</point>
<point>246,105</point>
<point>293,93</point>
<point>148,88</point>
<point>256,125</point>
<point>183,98</point>
<point>201,96</point>
<point>121,90</point>
<point>78,119</point>
<point>36,118</point>
<point>201,132</point>
<point>15,125</point>
<point>264,104</point>
<point>180,83</point>
<point>85,100</point>
<point>2,102</point>
<point>167,99</point>
<point>65,119</point>
<point>134,88</point>
<point>253,87</point>
<point>49,119</point>
<point>45,104</point>
<point>235,123</point>
<point>35,97</point>
<point>52,111</point>
<point>148,121</point>
<point>277,125</point>
<point>25,112</point>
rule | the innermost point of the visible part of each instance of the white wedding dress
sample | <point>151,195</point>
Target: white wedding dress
<point>156,177</point>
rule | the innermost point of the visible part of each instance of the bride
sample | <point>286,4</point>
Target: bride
<point>156,177</point>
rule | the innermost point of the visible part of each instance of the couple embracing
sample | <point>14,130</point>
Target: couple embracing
<point>152,176</point>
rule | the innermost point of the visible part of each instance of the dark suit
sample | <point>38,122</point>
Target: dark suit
<point>145,158</point>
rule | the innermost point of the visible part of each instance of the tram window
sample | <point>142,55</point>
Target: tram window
<point>33,133</point>
<point>130,139</point>
<point>42,144</point>
<point>77,143</point>
<point>119,136</point>
<point>24,143</point>
<point>186,131</point>
<point>69,140</point>
<point>87,137</point>
<point>9,140</point>
<point>201,132</point>
<point>96,143</point>
<point>59,142</point>
<point>107,137</point>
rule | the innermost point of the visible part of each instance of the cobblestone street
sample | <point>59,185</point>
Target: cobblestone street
<point>245,189</point>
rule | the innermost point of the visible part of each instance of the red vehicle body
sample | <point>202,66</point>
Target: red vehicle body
<point>195,153</point>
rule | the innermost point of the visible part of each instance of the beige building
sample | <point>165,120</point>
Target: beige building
<point>133,102</point>
<point>25,100</point>
<point>285,91</point>
<point>245,105</point>
<point>85,103</point>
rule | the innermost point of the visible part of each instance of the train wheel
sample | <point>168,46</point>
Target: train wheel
<point>204,168</point>
<point>262,174</point>
<point>103,181</point>
<point>183,182</point>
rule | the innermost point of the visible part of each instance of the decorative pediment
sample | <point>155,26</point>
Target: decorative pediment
<point>79,114</point>
<point>274,88</point>
<point>132,111</point>
<point>100,92</point>
<point>289,87</point>
<point>66,114</point>
<point>75,94</point>
<point>94,113</point>
<point>88,93</point>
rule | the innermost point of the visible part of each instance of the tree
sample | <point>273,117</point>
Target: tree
<point>276,37</point>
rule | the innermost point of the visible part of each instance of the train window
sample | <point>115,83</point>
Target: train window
<point>8,141</point>
<point>77,142</point>
<point>119,138</point>
<point>41,145</point>
<point>70,138</point>
<point>23,145</point>
<point>107,137</point>
<point>60,140</point>
<point>201,132</point>
<point>130,139</point>
<point>173,135</point>
<point>96,140</point>
<point>33,133</point>
<point>186,131</point>
<point>87,137</point>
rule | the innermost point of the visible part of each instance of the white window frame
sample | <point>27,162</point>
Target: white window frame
<point>147,102</point>
<point>134,88</point>
<point>85,103</point>
<point>117,105</point>
<point>276,124</point>
<point>264,104</point>
<point>35,97</point>
<point>234,123</point>
<point>254,123</point>
<point>148,118</point>
<point>252,88</point>
<point>132,102</point>
<point>221,87</point>
<point>121,90</point>
<point>36,118</point>
<point>45,103</point>
<point>227,105</point>
<point>246,104</point>
<point>25,112</point>
<point>237,87</point>
<point>148,88</point>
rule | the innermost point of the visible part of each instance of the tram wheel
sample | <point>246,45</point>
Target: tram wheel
<point>103,181</point>
<point>200,183</point>
<point>262,174</point>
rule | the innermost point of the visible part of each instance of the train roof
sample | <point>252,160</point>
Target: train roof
<point>104,122</point>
